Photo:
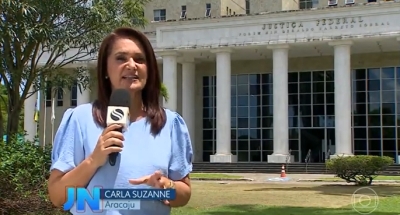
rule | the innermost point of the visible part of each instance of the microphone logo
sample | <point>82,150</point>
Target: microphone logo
<point>117,114</point>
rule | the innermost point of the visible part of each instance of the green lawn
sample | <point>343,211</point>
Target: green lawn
<point>380,177</point>
<point>213,176</point>
<point>285,199</point>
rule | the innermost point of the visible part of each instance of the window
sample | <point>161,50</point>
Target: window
<point>48,95</point>
<point>74,94</point>
<point>60,95</point>
<point>311,108</point>
<point>183,12</point>
<point>307,4</point>
<point>370,1</point>
<point>251,116</point>
<point>375,111</point>
<point>347,2</point>
<point>160,15</point>
<point>208,10</point>
<point>247,6</point>
<point>332,2</point>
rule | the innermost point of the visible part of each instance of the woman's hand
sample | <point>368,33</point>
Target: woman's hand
<point>156,180</point>
<point>109,141</point>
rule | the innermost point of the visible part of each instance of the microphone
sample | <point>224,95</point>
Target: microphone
<point>118,113</point>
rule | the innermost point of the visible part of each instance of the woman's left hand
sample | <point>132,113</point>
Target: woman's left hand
<point>156,180</point>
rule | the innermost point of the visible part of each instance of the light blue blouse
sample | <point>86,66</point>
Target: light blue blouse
<point>143,154</point>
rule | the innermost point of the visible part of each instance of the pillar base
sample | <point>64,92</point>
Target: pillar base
<point>280,158</point>
<point>223,158</point>
<point>339,155</point>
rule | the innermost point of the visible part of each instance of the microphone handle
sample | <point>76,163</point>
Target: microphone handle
<point>112,157</point>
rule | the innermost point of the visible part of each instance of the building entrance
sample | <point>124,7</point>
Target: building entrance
<point>311,114</point>
<point>316,144</point>
<point>311,144</point>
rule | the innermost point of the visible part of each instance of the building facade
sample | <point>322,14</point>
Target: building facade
<point>275,83</point>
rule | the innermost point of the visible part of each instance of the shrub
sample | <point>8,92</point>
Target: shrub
<point>164,92</point>
<point>24,170</point>
<point>360,169</point>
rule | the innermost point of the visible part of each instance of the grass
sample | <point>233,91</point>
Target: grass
<point>213,176</point>
<point>380,177</point>
<point>210,198</point>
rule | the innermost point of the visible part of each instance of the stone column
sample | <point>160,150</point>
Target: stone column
<point>84,96</point>
<point>280,53</point>
<point>342,68</point>
<point>30,125</point>
<point>223,70</point>
<point>189,98</point>
<point>170,78</point>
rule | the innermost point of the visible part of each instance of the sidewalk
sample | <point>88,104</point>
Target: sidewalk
<point>261,177</point>
<point>302,179</point>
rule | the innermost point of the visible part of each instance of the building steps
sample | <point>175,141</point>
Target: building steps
<point>263,167</point>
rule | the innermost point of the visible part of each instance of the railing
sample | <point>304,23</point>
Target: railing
<point>288,160</point>
<point>328,154</point>
<point>307,160</point>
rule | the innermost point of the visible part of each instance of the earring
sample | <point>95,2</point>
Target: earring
<point>106,77</point>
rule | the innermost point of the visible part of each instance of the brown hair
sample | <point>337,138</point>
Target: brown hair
<point>151,91</point>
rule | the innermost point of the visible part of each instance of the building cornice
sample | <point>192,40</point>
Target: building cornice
<point>347,23</point>
<point>289,14</point>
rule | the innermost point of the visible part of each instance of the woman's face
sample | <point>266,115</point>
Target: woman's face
<point>126,65</point>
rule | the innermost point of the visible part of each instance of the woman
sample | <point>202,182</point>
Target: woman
<point>155,151</point>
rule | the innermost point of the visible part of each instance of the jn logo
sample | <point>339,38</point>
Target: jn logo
<point>82,196</point>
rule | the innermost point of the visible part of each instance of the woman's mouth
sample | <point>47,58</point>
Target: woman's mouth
<point>130,77</point>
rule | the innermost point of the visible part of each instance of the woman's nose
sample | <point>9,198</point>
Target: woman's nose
<point>132,63</point>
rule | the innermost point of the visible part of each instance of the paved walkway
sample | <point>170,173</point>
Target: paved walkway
<point>292,177</point>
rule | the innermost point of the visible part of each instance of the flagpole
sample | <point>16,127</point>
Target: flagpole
<point>45,112</point>
<point>53,117</point>
<point>36,119</point>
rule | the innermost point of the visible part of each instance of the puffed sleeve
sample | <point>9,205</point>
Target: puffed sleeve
<point>182,153</point>
<point>67,150</point>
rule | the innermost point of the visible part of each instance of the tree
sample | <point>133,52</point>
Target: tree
<point>3,108</point>
<point>37,39</point>
<point>359,169</point>
<point>3,111</point>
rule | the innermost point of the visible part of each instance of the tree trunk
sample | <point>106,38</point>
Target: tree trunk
<point>1,126</point>
<point>12,125</point>
<point>14,110</point>
<point>1,116</point>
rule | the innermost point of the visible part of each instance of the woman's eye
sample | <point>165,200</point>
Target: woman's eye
<point>140,60</point>
<point>121,58</point>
